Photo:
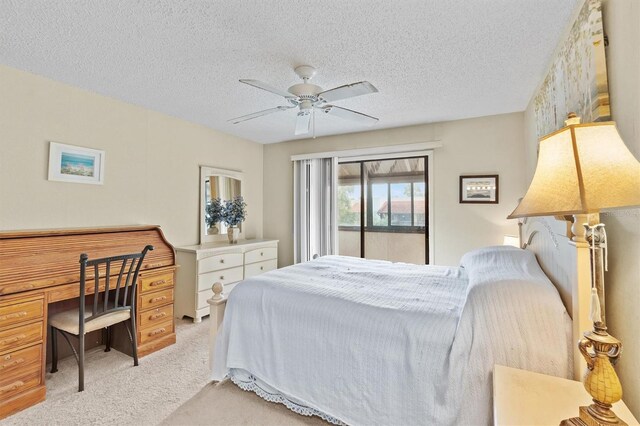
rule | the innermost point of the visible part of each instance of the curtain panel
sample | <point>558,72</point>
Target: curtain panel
<point>315,229</point>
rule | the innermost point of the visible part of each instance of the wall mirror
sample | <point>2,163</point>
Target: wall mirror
<point>222,184</point>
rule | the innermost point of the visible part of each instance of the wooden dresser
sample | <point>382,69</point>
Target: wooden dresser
<point>203,265</point>
<point>39,268</point>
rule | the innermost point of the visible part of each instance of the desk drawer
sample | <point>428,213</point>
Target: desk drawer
<point>156,331</point>
<point>20,336</point>
<point>14,363</point>
<point>225,276</point>
<point>156,282</point>
<point>21,312</point>
<point>222,261</point>
<point>260,267</point>
<point>155,316</point>
<point>258,255</point>
<point>26,377</point>
<point>156,299</point>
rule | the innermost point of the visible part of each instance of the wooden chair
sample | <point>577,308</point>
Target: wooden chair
<point>118,305</point>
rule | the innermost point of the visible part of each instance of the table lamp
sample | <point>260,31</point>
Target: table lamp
<point>583,169</point>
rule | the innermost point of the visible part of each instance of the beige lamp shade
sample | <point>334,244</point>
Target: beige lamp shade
<point>582,168</point>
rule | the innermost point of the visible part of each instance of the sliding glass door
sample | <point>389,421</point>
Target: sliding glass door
<point>383,209</point>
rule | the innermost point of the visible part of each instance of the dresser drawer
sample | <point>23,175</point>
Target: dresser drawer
<point>260,267</point>
<point>225,276</point>
<point>204,295</point>
<point>156,282</point>
<point>156,331</point>
<point>155,316</point>
<point>20,336</point>
<point>156,299</point>
<point>259,255</point>
<point>21,312</point>
<point>14,363</point>
<point>221,261</point>
<point>23,380</point>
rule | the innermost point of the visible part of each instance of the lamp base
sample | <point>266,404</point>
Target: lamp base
<point>587,419</point>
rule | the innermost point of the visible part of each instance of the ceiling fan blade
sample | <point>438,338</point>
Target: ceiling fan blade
<point>349,114</point>
<point>347,91</point>
<point>259,114</point>
<point>302,122</point>
<point>268,88</point>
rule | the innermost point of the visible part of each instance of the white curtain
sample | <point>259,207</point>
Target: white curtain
<point>315,229</point>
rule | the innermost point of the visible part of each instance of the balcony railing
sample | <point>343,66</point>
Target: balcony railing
<point>393,245</point>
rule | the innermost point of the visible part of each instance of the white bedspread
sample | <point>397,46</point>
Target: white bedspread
<point>371,342</point>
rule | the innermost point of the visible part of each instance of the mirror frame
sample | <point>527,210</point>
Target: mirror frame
<point>206,171</point>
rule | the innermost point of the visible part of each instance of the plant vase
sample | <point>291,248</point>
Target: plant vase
<point>213,230</point>
<point>233,232</point>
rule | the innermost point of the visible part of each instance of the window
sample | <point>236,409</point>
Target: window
<point>348,200</point>
<point>379,198</point>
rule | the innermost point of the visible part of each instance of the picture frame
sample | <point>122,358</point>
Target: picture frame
<point>69,163</point>
<point>479,189</point>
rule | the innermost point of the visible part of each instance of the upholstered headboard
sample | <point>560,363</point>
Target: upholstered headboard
<point>567,264</point>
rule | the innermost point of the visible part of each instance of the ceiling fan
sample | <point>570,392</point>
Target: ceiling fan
<point>308,98</point>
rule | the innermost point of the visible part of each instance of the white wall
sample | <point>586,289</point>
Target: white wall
<point>152,174</point>
<point>622,25</point>
<point>481,145</point>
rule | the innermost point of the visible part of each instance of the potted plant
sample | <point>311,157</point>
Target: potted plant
<point>213,215</point>
<point>233,213</point>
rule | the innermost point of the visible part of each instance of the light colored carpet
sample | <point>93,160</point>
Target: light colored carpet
<point>226,404</point>
<point>118,393</point>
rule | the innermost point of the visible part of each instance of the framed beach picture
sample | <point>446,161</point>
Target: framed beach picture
<point>68,163</point>
<point>479,189</point>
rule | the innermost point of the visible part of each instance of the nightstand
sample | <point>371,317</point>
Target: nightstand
<point>524,398</point>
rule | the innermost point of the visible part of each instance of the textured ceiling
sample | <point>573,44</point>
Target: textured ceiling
<point>431,60</point>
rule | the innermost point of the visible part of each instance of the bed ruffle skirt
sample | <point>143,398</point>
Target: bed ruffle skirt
<point>248,382</point>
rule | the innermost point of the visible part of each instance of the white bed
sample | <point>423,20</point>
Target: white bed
<point>371,342</point>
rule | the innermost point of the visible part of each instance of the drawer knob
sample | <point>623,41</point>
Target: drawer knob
<point>158,299</point>
<point>14,315</point>
<point>222,277</point>
<point>221,260</point>
<point>261,254</point>
<point>12,340</point>
<point>156,283</point>
<point>157,316</point>
<point>13,386</point>
<point>157,331</point>
<point>12,363</point>
<point>262,268</point>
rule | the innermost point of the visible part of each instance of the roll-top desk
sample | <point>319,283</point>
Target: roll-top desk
<point>202,265</point>
<point>38,268</point>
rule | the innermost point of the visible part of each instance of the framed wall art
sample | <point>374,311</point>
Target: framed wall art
<point>68,163</point>
<point>479,189</point>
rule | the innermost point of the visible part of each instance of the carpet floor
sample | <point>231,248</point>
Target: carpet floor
<point>227,404</point>
<point>118,393</point>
